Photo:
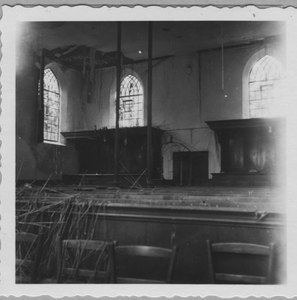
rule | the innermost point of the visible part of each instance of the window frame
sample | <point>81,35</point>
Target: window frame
<point>246,77</point>
<point>259,107</point>
<point>140,96</point>
<point>47,141</point>
<point>112,98</point>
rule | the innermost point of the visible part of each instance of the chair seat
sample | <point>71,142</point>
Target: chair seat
<point>51,280</point>
<point>23,279</point>
<point>137,280</point>
<point>244,279</point>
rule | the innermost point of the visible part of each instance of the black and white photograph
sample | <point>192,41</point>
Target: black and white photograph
<point>149,147</point>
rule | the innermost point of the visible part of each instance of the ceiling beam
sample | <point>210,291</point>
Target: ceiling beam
<point>268,39</point>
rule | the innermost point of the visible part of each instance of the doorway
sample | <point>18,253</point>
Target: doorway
<point>190,168</point>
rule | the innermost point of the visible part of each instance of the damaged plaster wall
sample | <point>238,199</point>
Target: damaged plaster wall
<point>34,160</point>
<point>187,91</point>
<point>176,106</point>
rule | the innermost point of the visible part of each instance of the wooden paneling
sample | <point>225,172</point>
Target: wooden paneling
<point>251,146</point>
<point>96,150</point>
<point>190,235</point>
<point>189,168</point>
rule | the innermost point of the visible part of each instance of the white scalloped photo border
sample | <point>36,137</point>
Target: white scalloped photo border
<point>9,34</point>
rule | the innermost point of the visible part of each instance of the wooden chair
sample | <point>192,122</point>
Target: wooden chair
<point>85,261</point>
<point>161,260</point>
<point>238,256</point>
<point>28,252</point>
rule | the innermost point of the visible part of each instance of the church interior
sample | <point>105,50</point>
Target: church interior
<point>161,134</point>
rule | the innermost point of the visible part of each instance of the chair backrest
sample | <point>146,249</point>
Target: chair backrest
<point>251,255</point>
<point>154,254</point>
<point>28,252</point>
<point>85,261</point>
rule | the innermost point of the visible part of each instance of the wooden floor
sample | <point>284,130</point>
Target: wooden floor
<point>162,216</point>
<point>268,199</point>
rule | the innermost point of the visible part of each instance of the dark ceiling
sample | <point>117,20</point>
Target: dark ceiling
<point>79,57</point>
<point>72,42</point>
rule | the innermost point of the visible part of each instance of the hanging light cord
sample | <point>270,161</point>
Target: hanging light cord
<point>222,43</point>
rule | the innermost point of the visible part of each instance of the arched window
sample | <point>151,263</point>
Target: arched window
<point>265,82</point>
<point>131,102</point>
<point>51,100</point>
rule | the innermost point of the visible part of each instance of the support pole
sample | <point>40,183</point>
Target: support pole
<point>119,71</point>
<point>149,106</point>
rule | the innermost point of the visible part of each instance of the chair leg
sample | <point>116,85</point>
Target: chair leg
<point>210,263</point>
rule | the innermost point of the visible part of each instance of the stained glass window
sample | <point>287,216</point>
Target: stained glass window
<point>265,87</point>
<point>51,100</point>
<point>131,102</point>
